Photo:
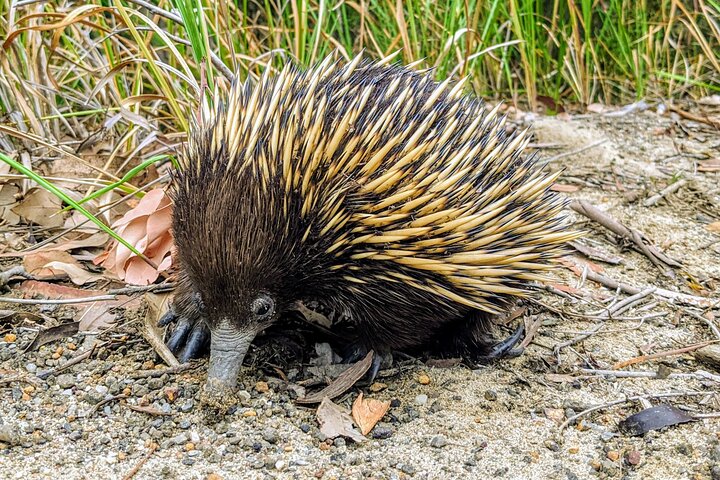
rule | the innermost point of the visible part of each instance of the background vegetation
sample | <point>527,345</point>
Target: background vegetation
<point>120,78</point>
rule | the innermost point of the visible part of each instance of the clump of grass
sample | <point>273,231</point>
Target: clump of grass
<point>127,75</point>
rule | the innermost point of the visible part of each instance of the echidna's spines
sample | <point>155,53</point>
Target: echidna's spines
<point>383,174</point>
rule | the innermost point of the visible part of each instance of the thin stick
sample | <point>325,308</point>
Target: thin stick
<point>111,295</point>
<point>642,243</point>
<point>576,152</point>
<point>18,271</point>
<point>654,356</point>
<point>626,304</point>
<point>673,187</point>
<point>699,374</point>
<point>138,466</point>
<point>667,295</point>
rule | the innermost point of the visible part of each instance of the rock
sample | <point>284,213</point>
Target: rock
<point>65,381</point>
<point>633,457</point>
<point>710,355</point>
<point>421,399</point>
<point>552,445</point>
<point>715,472</point>
<point>261,387</point>
<point>155,383</point>
<point>377,387</point>
<point>382,431</point>
<point>423,379</point>
<point>438,441</point>
<point>270,436</point>
<point>490,395</point>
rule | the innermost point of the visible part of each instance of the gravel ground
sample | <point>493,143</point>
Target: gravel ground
<point>97,419</point>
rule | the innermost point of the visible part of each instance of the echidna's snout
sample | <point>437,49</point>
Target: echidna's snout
<point>228,346</point>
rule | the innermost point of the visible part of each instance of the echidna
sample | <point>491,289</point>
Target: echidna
<point>369,187</point>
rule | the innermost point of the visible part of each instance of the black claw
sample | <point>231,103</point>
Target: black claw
<point>169,317</point>
<point>505,348</point>
<point>179,334</point>
<point>196,343</point>
<point>374,368</point>
<point>355,353</point>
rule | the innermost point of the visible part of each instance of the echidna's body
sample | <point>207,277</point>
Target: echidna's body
<point>371,188</point>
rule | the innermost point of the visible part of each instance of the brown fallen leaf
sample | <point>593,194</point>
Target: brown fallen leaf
<point>335,422</point>
<point>367,412</point>
<point>78,275</point>
<point>41,208</point>
<point>147,228</point>
<point>94,317</point>
<point>343,382</point>
<point>52,334</point>
<point>36,264</point>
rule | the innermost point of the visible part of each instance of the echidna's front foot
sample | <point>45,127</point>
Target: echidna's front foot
<point>190,336</point>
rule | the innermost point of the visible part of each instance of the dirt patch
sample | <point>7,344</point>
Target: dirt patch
<point>501,421</point>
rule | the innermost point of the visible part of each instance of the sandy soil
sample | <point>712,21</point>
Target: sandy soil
<point>501,421</point>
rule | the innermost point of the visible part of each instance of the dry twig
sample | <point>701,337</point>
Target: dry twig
<point>641,242</point>
<point>654,356</point>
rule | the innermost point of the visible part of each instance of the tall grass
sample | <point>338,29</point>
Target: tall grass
<point>119,79</point>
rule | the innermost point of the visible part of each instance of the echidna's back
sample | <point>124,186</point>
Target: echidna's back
<point>393,179</point>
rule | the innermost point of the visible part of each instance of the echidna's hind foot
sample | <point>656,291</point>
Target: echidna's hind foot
<point>506,348</point>
<point>473,340</point>
<point>357,352</point>
<point>190,336</point>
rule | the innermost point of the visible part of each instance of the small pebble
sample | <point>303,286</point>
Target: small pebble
<point>633,457</point>
<point>423,379</point>
<point>31,367</point>
<point>381,432</point>
<point>261,387</point>
<point>339,442</point>
<point>280,465</point>
<point>305,427</point>
<point>613,455</point>
<point>65,381</point>
<point>490,395</point>
<point>421,399</point>
<point>438,441</point>
<point>10,337</point>
<point>270,436</point>
<point>552,445</point>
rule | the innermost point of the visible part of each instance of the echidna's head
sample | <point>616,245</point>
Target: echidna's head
<point>233,246</point>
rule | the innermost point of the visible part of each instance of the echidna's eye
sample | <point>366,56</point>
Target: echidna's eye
<point>263,306</point>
